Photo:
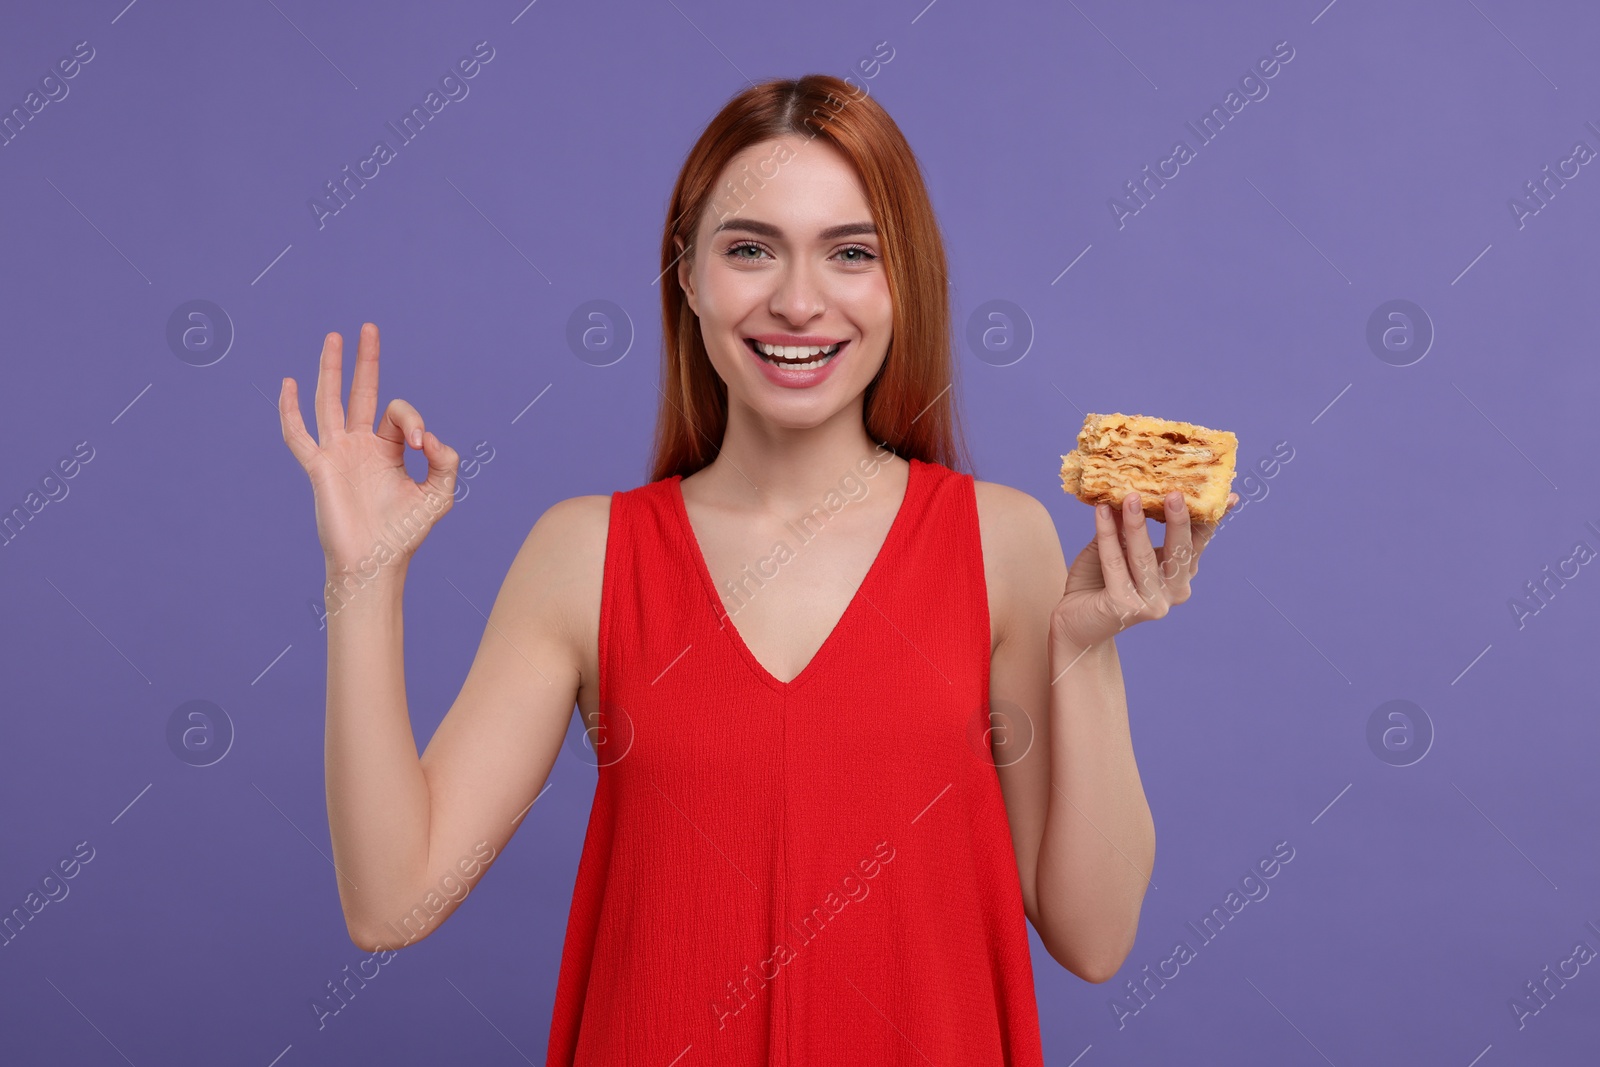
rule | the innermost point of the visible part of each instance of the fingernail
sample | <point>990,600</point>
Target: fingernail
<point>416,438</point>
<point>1174,501</point>
<point>1103,510</point>
<point>1132,503</point>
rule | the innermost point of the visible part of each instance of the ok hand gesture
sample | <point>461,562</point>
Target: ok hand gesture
<point>369,511</point>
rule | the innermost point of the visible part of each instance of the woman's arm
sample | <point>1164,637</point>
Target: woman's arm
<point>411,835</point>
<point>1081,824</point>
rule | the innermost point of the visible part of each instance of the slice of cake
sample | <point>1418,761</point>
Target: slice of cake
<point>1118,454</point>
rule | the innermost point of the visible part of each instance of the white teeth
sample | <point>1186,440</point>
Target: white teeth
<point>792,352</point>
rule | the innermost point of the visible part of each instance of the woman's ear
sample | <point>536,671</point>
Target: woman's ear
<point>686,275</point>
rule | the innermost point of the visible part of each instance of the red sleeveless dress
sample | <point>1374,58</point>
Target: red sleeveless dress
<point>812,872</point>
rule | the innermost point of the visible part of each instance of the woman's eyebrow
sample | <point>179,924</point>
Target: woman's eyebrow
<point>767,229</point>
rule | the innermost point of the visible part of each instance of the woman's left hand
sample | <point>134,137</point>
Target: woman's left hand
<point>1120,578</point>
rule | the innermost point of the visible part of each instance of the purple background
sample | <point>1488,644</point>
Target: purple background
<point>1379,564</point>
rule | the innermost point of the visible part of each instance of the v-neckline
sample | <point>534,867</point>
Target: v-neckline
<point>726,620</point>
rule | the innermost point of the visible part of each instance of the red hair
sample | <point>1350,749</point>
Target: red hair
<point>909,404</point>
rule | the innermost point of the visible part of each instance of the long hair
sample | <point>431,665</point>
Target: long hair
<point>909,405</point>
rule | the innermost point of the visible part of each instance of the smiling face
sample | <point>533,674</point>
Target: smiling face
<point>789,288</point>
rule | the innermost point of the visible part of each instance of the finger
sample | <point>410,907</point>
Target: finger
<point>1113,565</point>
<point>1141,553</point>
<point>294,427</point>
<point>329,409</point>
<point>443,462</point>
<point>364,380</point>
<point>1177,545</point>
<point>402,424</point>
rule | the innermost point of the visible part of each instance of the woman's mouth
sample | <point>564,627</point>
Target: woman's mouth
<point>796,366</point>
<point>795,357</point>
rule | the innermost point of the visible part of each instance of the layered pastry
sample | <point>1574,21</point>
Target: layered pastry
<point>1120,454</point>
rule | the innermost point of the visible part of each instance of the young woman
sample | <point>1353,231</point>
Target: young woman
<point>854,717</point>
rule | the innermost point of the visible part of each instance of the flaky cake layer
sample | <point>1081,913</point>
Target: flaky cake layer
<point>1119,454</point>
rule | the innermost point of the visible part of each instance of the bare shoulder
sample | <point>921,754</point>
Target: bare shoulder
<point>1017,530</point>
<point>1024,567</point>
<point>558,570</point>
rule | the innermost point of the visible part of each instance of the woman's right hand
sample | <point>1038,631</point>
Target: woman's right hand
<point>365,500</point>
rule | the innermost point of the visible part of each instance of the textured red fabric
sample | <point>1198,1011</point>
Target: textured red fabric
<point>815,872</point>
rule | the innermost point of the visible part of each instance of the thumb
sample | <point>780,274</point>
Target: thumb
<point>443,463</point>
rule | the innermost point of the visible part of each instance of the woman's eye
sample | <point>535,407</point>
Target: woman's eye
<point>849,254</point>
